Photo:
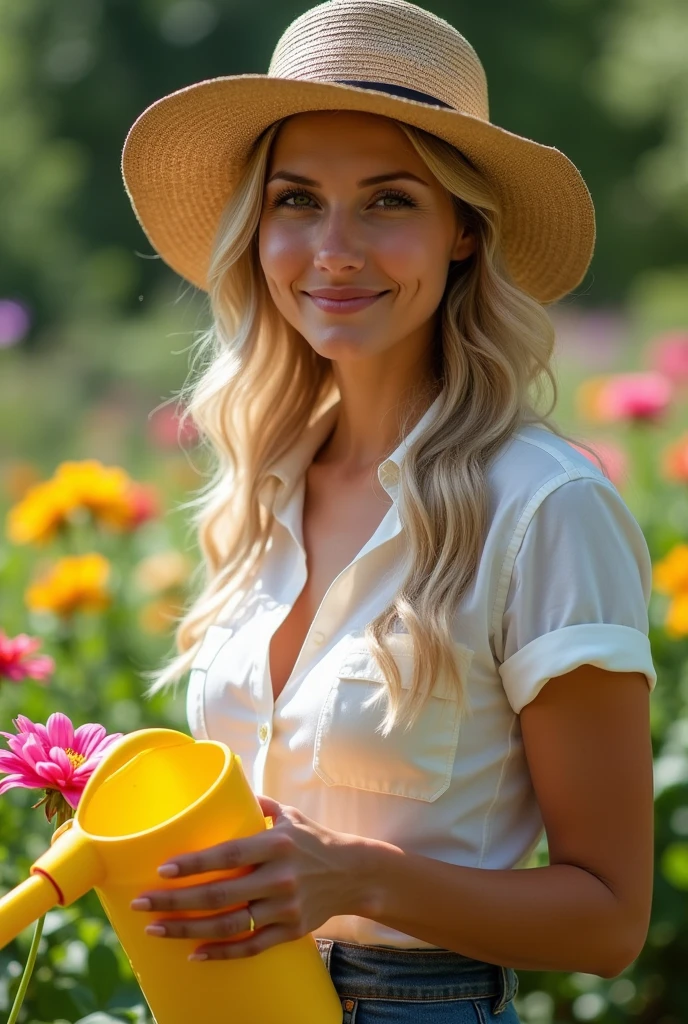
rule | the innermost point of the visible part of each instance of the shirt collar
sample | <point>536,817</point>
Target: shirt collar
<point>291,466</point>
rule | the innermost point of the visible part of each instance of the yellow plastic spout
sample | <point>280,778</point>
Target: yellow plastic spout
<point>25,904</point>
<point>158,793</point>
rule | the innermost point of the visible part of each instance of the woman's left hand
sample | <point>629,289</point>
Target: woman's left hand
<point>304,874</point>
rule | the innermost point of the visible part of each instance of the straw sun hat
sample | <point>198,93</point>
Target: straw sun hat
<point>184,153</point>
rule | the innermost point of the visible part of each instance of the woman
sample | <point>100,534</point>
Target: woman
<point>377,256</point>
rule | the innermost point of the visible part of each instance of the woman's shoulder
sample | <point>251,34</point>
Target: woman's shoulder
<point>533,463</point>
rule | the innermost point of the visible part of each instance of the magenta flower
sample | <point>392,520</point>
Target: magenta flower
<point>634,396</point>
<point>55,757</point>
<point>668,353</point>
<point>16,661</point>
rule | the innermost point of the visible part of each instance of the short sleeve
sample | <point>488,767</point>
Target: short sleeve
<point>579,591</point>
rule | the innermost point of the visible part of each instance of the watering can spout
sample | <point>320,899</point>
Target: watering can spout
<point>59,877</point>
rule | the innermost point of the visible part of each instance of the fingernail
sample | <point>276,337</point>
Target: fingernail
<point>168,870</point>
<point>198,956</point>
<point>141,904</point>
<point>155,929</point>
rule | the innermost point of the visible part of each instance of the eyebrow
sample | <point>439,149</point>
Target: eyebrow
<point>377,179</point>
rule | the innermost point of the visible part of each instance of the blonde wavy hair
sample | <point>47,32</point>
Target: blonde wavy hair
<point>262,383</point>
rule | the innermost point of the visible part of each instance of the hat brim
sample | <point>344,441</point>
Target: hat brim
<point>184,153</point>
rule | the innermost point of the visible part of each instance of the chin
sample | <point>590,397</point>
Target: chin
<point>338,345</point>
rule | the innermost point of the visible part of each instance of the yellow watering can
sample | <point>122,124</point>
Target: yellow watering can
<point>155,794</point>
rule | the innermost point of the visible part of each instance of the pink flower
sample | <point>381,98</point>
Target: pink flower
<point>634,396</point>
<point>144,503</point>
<point>54,757</point>
<point>668,353</point>
<point>168,430</point>
<point>613,457</point>
<point>16,662</point>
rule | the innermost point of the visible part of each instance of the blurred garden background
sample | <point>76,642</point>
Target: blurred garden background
<point>95,332</point>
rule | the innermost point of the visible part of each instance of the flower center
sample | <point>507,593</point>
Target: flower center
<point>75,758</point>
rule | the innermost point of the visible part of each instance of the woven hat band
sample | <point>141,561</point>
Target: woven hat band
<point>396,90</point>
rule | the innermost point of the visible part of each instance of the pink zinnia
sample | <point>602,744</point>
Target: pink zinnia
<point>54,757</point>
<point>16,661</point>
<point>634,396</point>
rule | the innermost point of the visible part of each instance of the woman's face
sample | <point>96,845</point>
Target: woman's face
<point>351,209</point>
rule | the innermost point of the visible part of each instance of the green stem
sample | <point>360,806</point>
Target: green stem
<point>33,951</point>
<point>28,970</point>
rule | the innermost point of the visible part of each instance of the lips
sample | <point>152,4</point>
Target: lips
<point>343,300</point>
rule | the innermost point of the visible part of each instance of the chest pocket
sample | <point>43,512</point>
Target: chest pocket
<point>214,640</point>
<point>416,763</point>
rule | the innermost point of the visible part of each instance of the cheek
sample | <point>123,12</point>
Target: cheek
<point>416,257</point>
<point>282,252</point>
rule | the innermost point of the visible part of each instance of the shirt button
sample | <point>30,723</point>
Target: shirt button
<point>263,732</point>
<point>318,637</point>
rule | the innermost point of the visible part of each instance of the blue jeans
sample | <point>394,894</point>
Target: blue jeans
<point>388,985</point>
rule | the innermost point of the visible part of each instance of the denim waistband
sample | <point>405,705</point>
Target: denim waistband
<point>389,972</point>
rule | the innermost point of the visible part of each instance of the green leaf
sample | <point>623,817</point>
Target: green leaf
<point>103,972</point>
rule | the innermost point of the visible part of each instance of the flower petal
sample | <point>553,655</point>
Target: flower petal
<point>60,730</point>
<point>87,738</point>
<point>53,774</point>
<point>10,781</point>
<point>72,795</point>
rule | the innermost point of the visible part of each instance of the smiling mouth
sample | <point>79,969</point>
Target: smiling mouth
<point>328,305</point>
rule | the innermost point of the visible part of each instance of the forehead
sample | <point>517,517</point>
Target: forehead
<point>331,137</point>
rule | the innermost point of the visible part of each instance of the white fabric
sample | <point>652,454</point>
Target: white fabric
<point>564,579</point>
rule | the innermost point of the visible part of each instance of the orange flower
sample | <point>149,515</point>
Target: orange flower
<point>103,490</point>
<point>676,622</point>
<point>78,489</point>
<point>670,574</point>
<point>74,583</point>
<point>675,460</point>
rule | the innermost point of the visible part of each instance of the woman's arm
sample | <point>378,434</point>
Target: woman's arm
<point>587,740</point>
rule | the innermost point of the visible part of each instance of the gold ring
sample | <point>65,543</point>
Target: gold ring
<point>252,926</point>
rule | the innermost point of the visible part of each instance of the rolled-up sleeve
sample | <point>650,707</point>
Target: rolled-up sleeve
<point>579,591</point>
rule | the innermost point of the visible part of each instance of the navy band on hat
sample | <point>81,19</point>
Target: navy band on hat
<point>398,90</point>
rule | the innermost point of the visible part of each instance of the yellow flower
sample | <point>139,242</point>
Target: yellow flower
<point>103,490</point>
<point>670,575</point>
<point>74,583</point>
<point>46,507</point>
<point>38,516</point>
<point>676,622</point>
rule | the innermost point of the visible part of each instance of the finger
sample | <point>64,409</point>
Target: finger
<point>233,853</point>
<point>223,893</point>
<point>226,924</point>
<point>269,806</point>
<point>261,940</point>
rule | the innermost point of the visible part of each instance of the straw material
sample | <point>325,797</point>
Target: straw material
<point>184,153</point>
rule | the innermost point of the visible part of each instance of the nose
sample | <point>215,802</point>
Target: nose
<point>338,246</point>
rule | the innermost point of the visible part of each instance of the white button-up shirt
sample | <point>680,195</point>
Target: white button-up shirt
<point>564,580</point>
